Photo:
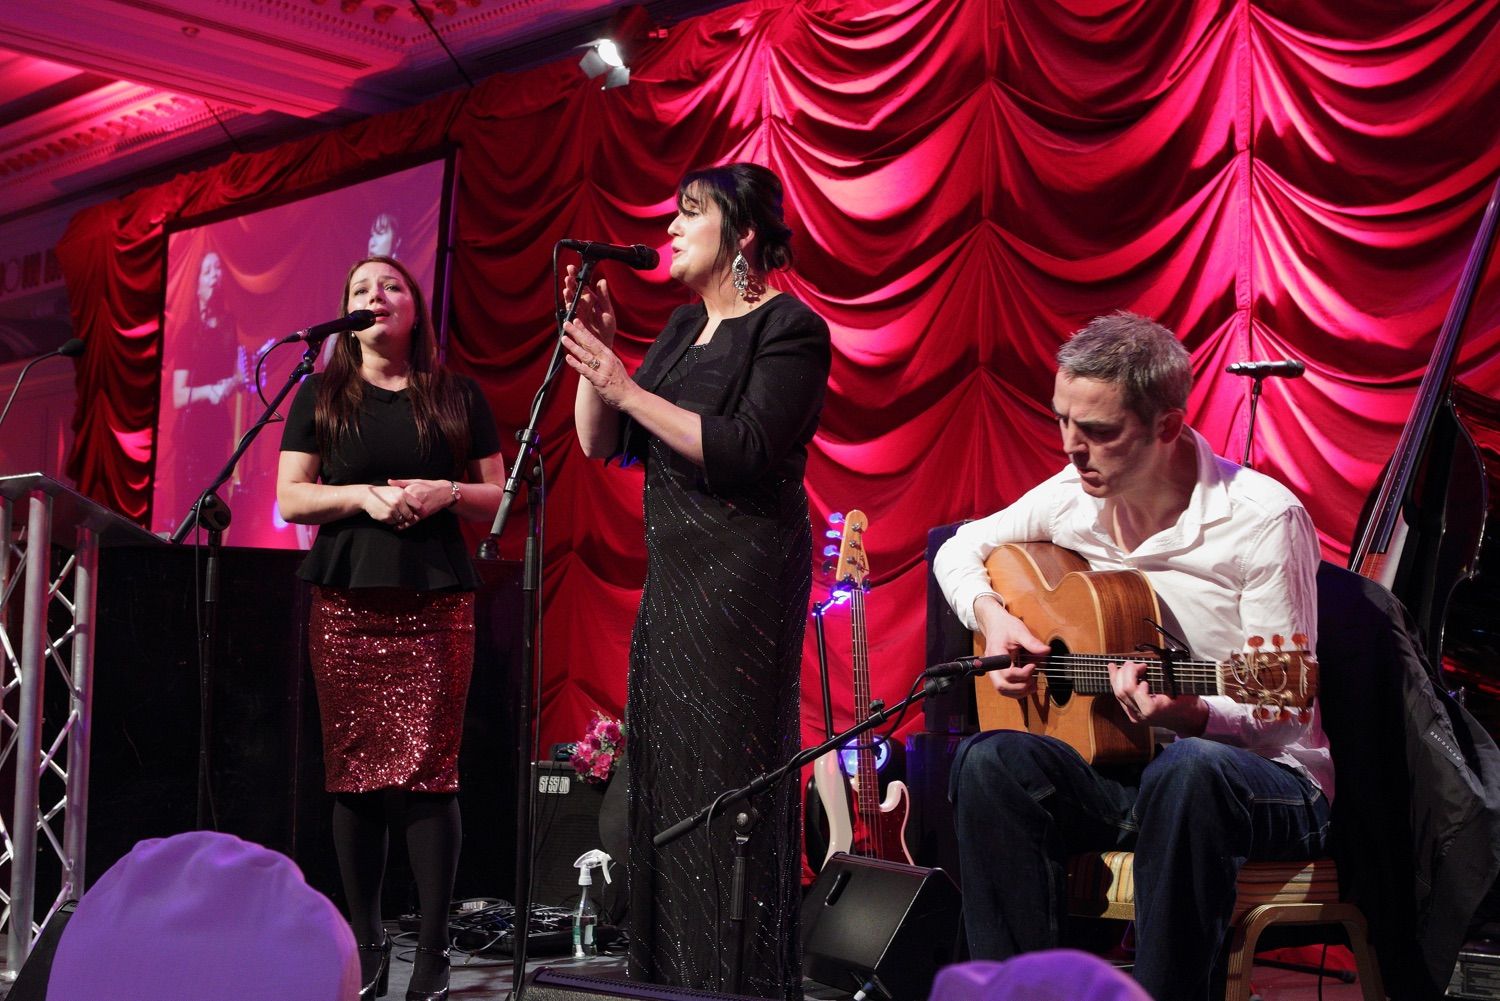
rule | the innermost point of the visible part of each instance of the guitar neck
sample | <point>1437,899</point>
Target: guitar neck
<point>1088,674</point>
<point>861,664</point>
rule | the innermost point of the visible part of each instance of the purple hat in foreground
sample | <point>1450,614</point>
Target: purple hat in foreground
<point>1051,975</point>
<point>204,917</point>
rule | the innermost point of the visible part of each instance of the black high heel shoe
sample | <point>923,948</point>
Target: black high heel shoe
<point>429,966</point>
<point>375,969</point>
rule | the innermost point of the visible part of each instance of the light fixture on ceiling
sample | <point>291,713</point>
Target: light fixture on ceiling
<point>610,55</point>
<point>603,58</point>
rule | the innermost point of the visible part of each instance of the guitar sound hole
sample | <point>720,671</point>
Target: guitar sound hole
<point>1059,685</point>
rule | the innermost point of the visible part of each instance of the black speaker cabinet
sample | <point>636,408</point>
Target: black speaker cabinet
<point>953,711</point>
<point>567,825</point>
<point>930,836</point>
<point>871,921</point>
<point>547,984</point>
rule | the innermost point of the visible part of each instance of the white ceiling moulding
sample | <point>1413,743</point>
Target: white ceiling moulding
<point>237,65</point>
<point>96,126</point>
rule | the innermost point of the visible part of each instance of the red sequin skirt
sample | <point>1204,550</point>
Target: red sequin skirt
<point>392,671</point>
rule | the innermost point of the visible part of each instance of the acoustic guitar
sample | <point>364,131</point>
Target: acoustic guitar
<point>871,826</point>
<point>1091,618</point>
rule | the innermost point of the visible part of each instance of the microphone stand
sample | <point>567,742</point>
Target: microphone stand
<point>70,349</point>
<point>1250,431</point>
<point>210,511</point>
<point>489,549</point>
<point>745,820</point>
<point>817,613</point>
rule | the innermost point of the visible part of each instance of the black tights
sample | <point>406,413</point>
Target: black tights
<point>433,833</point>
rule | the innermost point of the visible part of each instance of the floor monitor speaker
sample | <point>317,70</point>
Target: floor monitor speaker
<point>868,921</point>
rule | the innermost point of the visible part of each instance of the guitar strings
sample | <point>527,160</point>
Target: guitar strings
<point>1200,677</point>
<point>869,784</point>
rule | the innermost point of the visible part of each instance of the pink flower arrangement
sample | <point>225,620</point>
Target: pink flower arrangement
<point>594,756</point>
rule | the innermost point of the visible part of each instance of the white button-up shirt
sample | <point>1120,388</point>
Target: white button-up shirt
<point>1240,561</point>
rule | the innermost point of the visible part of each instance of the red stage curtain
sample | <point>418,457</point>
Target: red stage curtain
<point>969,180</point>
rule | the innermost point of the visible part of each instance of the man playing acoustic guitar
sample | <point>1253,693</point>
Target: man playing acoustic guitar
<point>1230,554</point>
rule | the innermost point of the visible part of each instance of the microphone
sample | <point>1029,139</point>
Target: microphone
<point>71,348</point>
<point>315,335</point>
<point>1261,369</point>
<point>967,665</point>
<point>640,257</point>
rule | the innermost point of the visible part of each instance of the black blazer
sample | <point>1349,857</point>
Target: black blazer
<point>759,389</point>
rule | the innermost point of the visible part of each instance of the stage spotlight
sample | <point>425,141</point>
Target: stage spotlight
<point>603,59</point>
<point>621,42</point>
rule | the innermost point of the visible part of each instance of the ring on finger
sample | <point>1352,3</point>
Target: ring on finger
<point>594,364</point>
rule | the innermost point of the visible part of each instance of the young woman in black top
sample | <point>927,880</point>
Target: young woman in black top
<point>385,451</point>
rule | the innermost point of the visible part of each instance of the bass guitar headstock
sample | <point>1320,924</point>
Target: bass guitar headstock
<point>1274,678</point>
<point>851,569</point>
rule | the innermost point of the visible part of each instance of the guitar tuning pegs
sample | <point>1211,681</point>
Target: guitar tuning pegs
<point>833,533</point>
<point>1277,640</point>
<point>1300,640</point>
<point>1255,642</point>
<point>835,517</point>
<point>830,551</point>
<point>827,569</point>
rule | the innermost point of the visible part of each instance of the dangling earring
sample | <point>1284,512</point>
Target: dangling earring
<point>740,269</point>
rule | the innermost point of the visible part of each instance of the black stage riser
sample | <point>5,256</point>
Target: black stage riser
<point>555,985</point>
<point>267,762</point>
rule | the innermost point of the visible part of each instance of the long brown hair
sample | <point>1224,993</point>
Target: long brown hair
<point>438,401</point>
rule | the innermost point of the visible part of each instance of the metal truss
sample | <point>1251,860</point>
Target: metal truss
<point>49,763</point>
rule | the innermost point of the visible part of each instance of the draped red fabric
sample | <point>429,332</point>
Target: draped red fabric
<point>969,181</point>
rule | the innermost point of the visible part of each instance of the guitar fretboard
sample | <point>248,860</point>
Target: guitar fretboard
<point>869,788</point>
<point>1088,673</point>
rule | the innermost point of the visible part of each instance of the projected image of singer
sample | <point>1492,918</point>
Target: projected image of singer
<point>204,378</point>
<point>385,451</point>
<point>721,412</point>
<point>1230,554</point>
<point>385,236</point>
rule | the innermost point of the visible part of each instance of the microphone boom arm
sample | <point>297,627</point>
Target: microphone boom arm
<point>802,757</point>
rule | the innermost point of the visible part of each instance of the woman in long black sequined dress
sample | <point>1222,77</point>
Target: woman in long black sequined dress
<point>721,411</point>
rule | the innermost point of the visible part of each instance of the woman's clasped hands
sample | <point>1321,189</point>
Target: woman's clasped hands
<point>403,503</point>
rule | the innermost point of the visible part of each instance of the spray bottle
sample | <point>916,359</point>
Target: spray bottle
<point>586,915</point>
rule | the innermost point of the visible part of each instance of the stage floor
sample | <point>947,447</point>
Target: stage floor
<point>488,978</point>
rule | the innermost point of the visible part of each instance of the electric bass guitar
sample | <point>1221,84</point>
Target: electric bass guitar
<point>1093,618</point>
<point>874,827</point>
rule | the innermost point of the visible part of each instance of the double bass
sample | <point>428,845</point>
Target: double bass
<point>1428,531</point>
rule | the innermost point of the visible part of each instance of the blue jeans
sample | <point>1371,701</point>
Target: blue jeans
<point>1024,803</point>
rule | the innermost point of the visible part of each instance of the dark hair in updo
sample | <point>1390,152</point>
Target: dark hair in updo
<point>749,197</point>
